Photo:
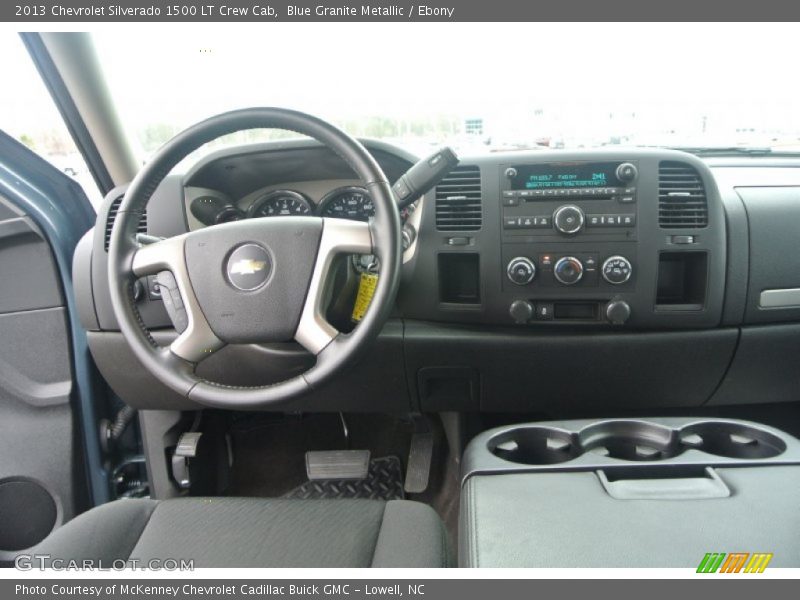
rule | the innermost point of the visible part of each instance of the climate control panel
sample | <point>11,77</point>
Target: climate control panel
<point>569,269</point>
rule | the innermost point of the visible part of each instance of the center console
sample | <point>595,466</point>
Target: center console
<point>629,493</point>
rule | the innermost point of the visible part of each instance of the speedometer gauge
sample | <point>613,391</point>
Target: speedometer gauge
<point>352,203</point>
<point>280,203</point>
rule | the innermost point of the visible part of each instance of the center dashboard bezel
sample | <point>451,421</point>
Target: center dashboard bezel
<point>494,246</point>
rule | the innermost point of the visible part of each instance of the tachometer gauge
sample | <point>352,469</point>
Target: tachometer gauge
<point>280,203</point>
<point>352,203</point>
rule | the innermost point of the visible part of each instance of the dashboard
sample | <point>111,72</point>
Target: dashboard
<point>554,281</point>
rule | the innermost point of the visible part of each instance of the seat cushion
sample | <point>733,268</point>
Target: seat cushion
<point>252,532</point>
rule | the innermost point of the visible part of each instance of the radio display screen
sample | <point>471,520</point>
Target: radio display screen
<point>565,175</point>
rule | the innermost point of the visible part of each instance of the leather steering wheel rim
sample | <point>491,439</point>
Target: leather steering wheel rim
<point>175,366</point>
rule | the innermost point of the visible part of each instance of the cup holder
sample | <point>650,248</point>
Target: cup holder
<point>732,440</point>
<point>631,440</point>
<point>535,446</point>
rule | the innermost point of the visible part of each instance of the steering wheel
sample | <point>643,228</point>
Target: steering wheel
<point>252,281</point>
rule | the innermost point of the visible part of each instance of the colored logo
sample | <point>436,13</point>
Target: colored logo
<point>735,562</point>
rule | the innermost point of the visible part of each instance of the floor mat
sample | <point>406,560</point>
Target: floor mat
<point>384,482</point>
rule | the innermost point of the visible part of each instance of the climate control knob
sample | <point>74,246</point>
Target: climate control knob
<point>521,270</point>
<point>568,270</point>
<point>617,270</point>
<point>568,219</point>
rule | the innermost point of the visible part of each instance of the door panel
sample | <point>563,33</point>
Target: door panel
<point>38,454</point>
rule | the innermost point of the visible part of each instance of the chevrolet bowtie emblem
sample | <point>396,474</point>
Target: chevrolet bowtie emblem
<point>248,266</point>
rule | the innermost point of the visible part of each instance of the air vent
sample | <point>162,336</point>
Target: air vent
<point>112,215</point>
<point>458,200</point>
<point>681,197</point>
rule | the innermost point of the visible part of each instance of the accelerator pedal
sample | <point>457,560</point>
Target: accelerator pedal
<point>420,456</point>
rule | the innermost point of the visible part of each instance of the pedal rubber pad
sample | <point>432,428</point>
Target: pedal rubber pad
<point>419,462</point>
<point>337,464</point>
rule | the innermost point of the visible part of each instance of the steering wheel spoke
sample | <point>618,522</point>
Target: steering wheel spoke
<point>339,236</point>
<point>196,341</point>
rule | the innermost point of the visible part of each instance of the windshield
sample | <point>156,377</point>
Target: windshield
<point>477,87</point>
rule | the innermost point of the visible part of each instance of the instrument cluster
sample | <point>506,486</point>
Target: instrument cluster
<point>348,202</point>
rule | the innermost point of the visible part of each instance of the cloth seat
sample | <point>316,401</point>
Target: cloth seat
<point>253,532</point>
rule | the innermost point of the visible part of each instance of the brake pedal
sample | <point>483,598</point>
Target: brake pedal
<point>337,464</point>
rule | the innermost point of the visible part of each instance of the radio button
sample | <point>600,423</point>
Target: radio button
<point>628,220</point>
<point>627,172</point>
<point>568,219</point>
<point>593,220</point>
<point>543,221</point>
<point>511,223</point>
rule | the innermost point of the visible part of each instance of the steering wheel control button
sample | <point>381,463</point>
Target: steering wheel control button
<point>521,311</point>
<point>568,219</point>
<point>617,270</point>
<point>248,267</point>
<point>627,172</point>
<point>173,303</point>
<point>568,270</point>
<point>521,270</point>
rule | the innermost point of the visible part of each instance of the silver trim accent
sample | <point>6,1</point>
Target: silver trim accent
<point>616,257</point>
<point>197,341</point>
<point>339,236</point>
<point>562,259</point>
<point>521,259</point>
<point>565,207</point>
<point>781,298</point>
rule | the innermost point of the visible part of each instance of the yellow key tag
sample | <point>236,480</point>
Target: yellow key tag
<point>366,289</point>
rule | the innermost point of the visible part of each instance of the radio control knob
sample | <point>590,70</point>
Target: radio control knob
<point>521,270</point>
<point>618,312</point>
<point>521,311</point>
<point>568,219</point>
<point>617,270</point>
<point>568,270</point>
<point>510,173</point>
<point>627,172</point>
